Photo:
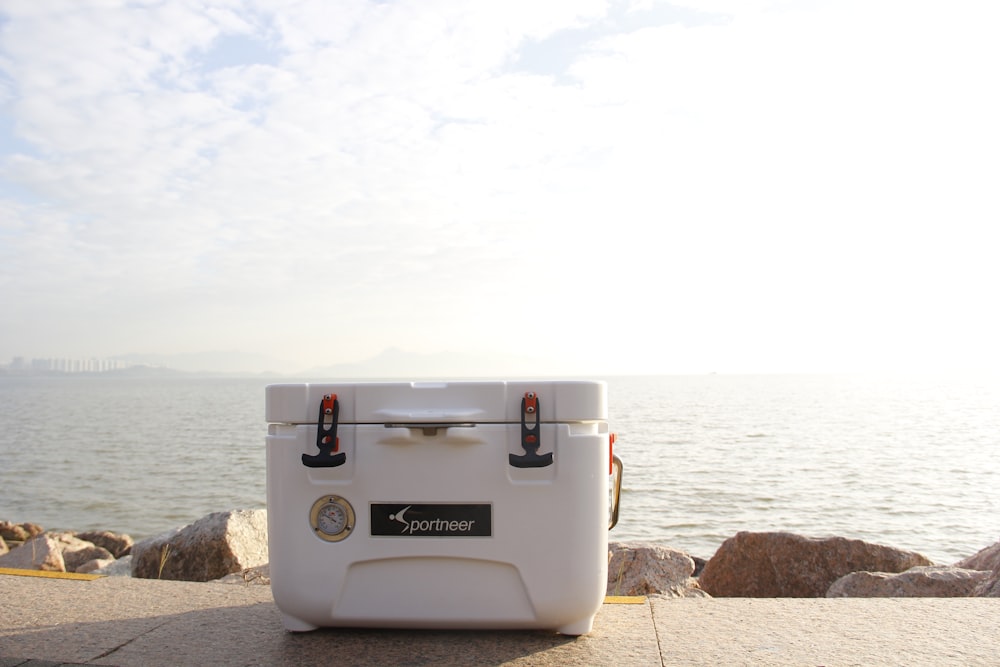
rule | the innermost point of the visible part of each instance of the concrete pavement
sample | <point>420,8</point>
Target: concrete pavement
<point>124,621</point>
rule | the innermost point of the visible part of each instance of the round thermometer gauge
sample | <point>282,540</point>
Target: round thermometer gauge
<point>331,518</point>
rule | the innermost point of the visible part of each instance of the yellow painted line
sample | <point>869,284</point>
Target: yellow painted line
<point>625,599</point>
<point>49,575</point>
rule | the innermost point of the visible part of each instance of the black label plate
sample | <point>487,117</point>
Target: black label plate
<point>431,519</point>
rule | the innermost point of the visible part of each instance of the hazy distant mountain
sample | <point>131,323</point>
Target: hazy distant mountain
<point>211,362</point>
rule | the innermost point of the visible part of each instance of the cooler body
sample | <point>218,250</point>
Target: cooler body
<point>438,505</point>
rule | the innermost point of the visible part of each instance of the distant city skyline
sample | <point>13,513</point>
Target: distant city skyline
<point>598,187</point>
<point>66,365</point>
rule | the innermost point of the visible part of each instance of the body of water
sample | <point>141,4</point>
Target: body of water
<point>908,461</point>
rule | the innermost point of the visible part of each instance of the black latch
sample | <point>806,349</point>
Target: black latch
<point>326,436</point>
<point>530,437</point>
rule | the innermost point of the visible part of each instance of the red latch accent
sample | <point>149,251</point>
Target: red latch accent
<point>611,454</point>
<point>327,407</point>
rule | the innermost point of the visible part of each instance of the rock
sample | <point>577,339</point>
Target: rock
<point>645,569</point>
<point>19,532</point>
<point>260,576</point>
<point>210,548</point>
<point>94,565</point>
<point>7,531</point>
<point>990,587</point>
<point>984,559</point>
<point>3,547</point>
<point>76,552</point>
<point>699,565</point>
<point>42,552</point>
<point>118,568</point>
<point>987,559</point>
<point>766,565</point>
<point>54,551</point>
<point>118,544</point>
<point>917,582</point>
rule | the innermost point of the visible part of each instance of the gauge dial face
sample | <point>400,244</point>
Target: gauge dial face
<point>331,518</point>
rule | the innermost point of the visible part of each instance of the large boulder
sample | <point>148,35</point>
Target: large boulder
<point>646,569</point>
<point>768,565</point>
<point>3,547</point>
<point>984,559</point>
<point>212,547</point>
<point>917,582</point>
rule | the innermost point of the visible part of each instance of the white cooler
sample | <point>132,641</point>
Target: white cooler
<point>440,505</point>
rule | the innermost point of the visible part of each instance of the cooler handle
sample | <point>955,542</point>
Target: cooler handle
<point>618,468</point>
<point>430,428</point>
<point>454,416</point>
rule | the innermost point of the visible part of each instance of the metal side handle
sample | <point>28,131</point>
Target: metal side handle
<point>617,468</point>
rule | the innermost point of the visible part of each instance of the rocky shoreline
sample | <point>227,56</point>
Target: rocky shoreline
<point>231,547</point>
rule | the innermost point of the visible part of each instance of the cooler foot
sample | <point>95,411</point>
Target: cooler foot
<point>581,627</point>
<point>293,624</point>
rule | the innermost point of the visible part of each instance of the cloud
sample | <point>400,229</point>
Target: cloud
<point>724,178</point>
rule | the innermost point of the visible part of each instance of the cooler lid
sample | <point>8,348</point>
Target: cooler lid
<point>438,402</point>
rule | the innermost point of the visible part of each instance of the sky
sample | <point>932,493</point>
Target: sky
<point>588,187</point>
